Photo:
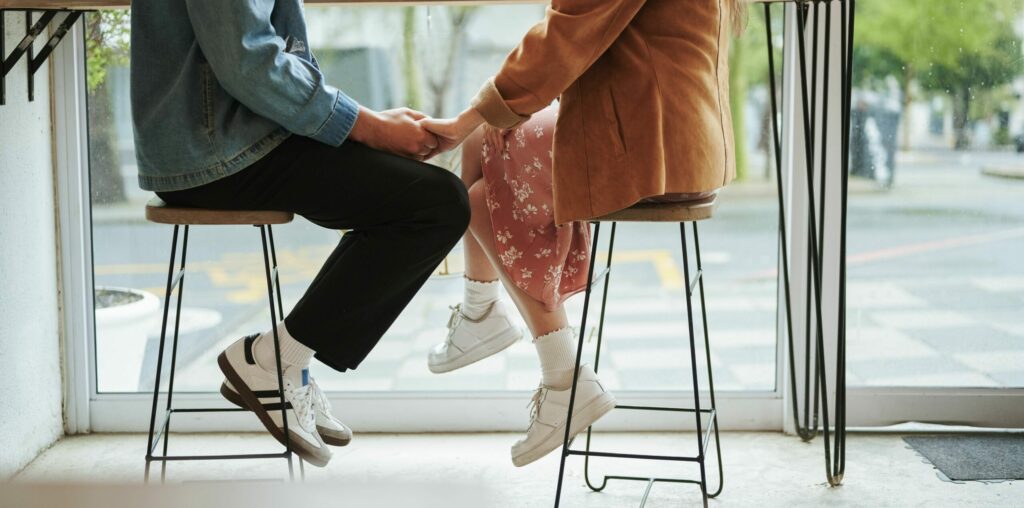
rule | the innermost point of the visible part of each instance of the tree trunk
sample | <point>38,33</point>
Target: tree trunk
<point>908,78</point>
<point>104,160</point>
<point>459,20</point>
<point>410,71</point>
<point>961,118</point>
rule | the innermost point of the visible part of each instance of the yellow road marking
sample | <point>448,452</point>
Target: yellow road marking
<point>663,261</point>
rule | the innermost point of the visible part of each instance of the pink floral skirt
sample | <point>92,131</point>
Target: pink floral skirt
<point>546,261</point>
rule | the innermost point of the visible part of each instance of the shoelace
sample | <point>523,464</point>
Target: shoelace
<point>454,320</point>
<point>320,401</point>
<point>535,402</point>
<point>302,403</point>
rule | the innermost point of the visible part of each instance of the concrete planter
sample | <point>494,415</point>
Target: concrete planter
<point>123,318</point>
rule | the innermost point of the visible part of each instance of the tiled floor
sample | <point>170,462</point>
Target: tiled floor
<point>763,470</point>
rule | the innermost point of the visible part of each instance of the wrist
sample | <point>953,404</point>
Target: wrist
<point>470,119</point>
<point>366,126</point>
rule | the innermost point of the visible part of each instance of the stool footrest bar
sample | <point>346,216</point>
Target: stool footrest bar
<point>211,410</point>
<point>652,480</point>
<point>669,458</point>
<point>597,280</point>
<point>696,279</point>
<point>241,456</point>
<point>658,408</point>
<point>180,274</point>
<point>160,434</point>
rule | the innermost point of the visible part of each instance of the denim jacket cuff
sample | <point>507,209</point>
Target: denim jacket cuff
<point>338,125</point>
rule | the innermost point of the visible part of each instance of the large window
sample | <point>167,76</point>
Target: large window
<point>433,59</point>
<point>936,292</point>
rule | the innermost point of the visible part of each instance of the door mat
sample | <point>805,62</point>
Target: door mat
<point>973,456</point>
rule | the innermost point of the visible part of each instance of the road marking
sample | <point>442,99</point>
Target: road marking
<point>664,264</point>
<point>944,244</point>
<point>902,251</point>
<point>243,274</point>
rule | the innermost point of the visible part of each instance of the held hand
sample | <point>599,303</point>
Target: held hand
<point>452,132</point>
<point>396,131</point>
<point>495,137</point>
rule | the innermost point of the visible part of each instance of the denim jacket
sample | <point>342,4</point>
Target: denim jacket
<point>218,84</point>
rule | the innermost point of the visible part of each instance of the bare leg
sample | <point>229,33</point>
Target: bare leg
<point>538,318</point>
<point>478,266</point>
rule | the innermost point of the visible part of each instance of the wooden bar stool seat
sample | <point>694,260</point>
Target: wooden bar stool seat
<point>161,213</point>
<point>683,211</point>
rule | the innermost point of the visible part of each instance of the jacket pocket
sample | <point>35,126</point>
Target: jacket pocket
<point>611,111</point>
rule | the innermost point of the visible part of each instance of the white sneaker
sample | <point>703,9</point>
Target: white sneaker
<point>471,340</point>
<point>548,414</point>
<point>257,388</point>
<point>331,429</point>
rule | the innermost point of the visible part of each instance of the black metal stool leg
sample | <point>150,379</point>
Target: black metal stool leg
<point>707,353</point>
<point>160,352</point>
<point>576,371</point>
<point>174,349</point>
<point>271,275</point>
<point>277,278</point>
<point>597,355</point>
<point>703,434</point>
<point>693,361</point>
<point>280,310</point>
<point>175,280</point>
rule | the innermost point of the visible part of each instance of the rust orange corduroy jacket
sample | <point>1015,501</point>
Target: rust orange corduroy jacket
<point>644,88</point>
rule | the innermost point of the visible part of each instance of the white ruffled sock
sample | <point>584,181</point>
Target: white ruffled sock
<point>557,353</point>
<point>479,297</point>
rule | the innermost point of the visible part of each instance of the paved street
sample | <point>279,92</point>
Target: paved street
<point>936,291</point>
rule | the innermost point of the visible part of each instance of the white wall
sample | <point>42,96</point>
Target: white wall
<point>30,367</point>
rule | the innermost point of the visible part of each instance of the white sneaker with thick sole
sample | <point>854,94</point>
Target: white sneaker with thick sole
<point>471,340</point>
<point>549,409</point>
<point>257,389</point>
<point>330,428</point>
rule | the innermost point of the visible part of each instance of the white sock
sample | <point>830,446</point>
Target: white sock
<point>557,352</point>
<point>479,297</point>
<point>293,352</point>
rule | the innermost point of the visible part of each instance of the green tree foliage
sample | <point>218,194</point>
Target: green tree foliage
<point>979,72</point>
<point>107,40</point>
<point>956,48</point>
<point>747,67</point>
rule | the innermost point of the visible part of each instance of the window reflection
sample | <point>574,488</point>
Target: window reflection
<point>936,222</point>
<point>433,59</point>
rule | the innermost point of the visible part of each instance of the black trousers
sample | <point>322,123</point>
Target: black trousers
<point>404,216</point>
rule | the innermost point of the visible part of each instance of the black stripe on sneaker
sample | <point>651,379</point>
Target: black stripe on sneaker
<point>277,406</point>
<point>262,394</point>
<point>249,358</point>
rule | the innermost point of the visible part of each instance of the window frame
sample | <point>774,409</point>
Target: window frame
<point>86,410</point>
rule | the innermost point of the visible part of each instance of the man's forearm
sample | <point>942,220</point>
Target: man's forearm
<point>367,127</point>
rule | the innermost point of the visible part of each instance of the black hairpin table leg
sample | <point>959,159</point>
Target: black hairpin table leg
<point>815,376</point>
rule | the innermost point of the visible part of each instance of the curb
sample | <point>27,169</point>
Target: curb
<point>1004,172</point>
